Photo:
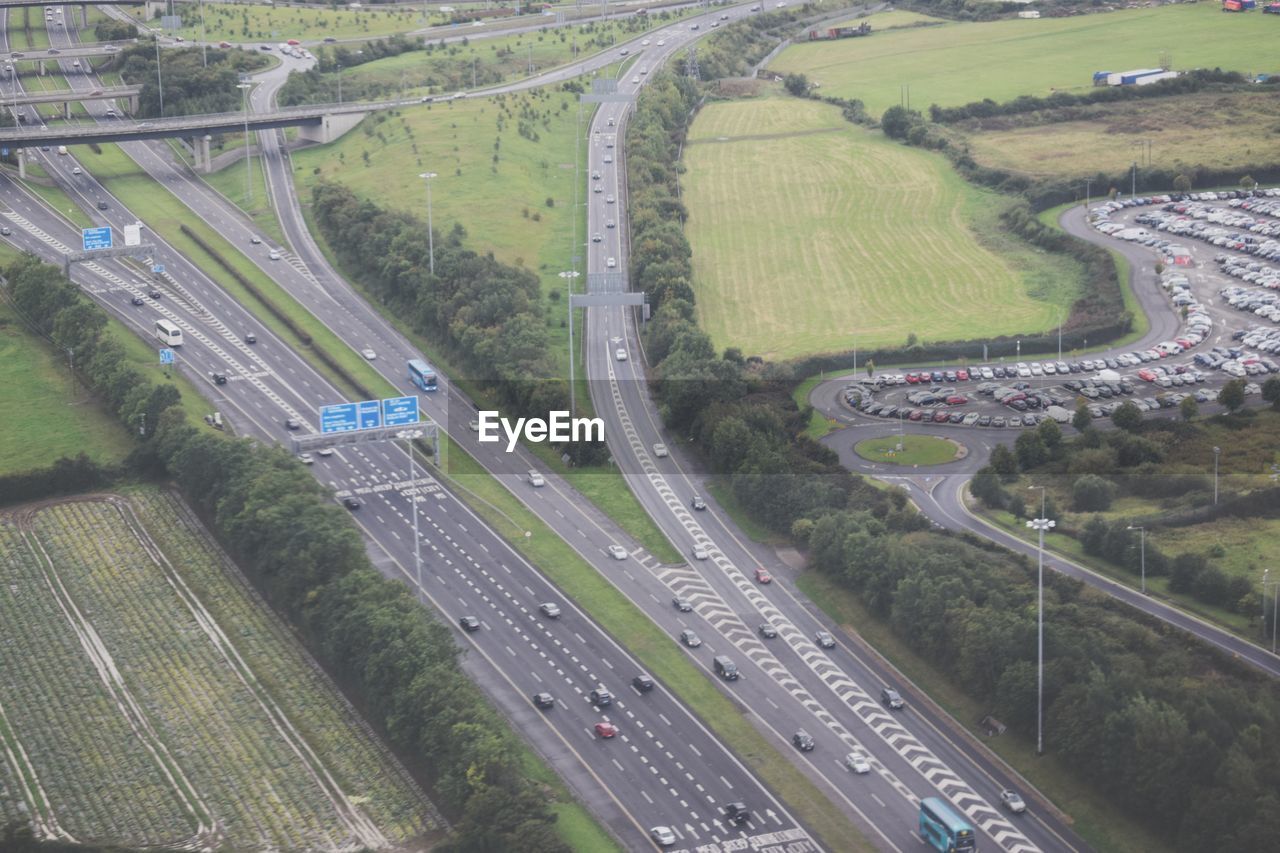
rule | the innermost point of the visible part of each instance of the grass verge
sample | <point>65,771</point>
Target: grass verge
<point>59,201</point>
<point>916,450</point>
<point>819,424</point>
<point>1097,821</point>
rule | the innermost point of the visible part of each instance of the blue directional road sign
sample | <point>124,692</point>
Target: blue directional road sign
<point>166,356</point>
<point>369,414</point>
<point>397,411</point>
<point>339,418</point>
<point>96,238</point>
<point>157,268</point>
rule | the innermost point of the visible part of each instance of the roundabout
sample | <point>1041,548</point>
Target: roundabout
<point>912,450</point>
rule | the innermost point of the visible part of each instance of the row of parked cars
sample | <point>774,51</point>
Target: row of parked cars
<point>869,406</point>
<point>1250,272</point>
<point>1226,229</point>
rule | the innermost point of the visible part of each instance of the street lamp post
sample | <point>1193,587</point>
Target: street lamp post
<point>159,79</point>
<point>409,435</point>
<point>1142,533</point>
<point>1040,525</point>
<point>339,73</point>
<point>244,86</point>
<point>1217,451</point>
<point>431,237</point>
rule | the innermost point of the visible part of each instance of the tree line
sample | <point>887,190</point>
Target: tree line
<point>306,557</point>
<point>485,315</point>
<point>189,88</point>
<point>1196,764</point>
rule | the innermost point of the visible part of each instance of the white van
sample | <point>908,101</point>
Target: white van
<point>62,149</point>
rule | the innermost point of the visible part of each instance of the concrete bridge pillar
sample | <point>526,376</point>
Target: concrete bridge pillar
<point>84,16</point>
<point>66,110</point>
<point>204,162</point>
<point>133,104</point>
<point>22,163</point>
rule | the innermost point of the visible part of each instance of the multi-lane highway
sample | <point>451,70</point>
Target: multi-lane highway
<point>662,768</point>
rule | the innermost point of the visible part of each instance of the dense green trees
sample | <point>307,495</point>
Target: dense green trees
<point>304,554</point>
<point>190,88</point>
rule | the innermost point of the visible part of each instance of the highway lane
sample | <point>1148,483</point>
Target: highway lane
<point>671,789</point>
<point>836,689</point>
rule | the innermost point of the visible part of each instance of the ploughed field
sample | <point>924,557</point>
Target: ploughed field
<point>959,62</point>
<point>149,698</point>
<point>807,230</point>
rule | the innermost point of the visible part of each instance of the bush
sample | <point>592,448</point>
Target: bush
<point>1091,493</point>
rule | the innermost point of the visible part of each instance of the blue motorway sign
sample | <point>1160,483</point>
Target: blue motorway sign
<point>96,238</point>
<point>166,356</point>
<point>339,418</point>
<point>397,411</point>
<point>157,268</point>
<point>369,414</point>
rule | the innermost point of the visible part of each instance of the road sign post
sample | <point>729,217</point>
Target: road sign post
<point>95,238</point>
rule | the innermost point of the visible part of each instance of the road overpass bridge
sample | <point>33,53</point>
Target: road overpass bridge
<point>66,97</point>
<point>318,123</point>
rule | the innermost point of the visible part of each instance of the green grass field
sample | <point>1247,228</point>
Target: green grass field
<point>916,450</point>
<point>807,231</point>
<point>1219,129</point>
<point>236,22</point>
<point>961,62</point>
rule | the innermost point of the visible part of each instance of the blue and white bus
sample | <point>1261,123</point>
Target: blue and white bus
<point>422,374</point>
<point>943,829</point>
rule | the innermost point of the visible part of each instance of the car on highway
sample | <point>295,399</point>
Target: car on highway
<point>606,730</point>
<point>661,43</point>
<point>891,699</point>
<point>543,700</point>
<point>700,552</point>
<point>762,575</point>
<point>304,458</point>
<point>635,78</point>
<point>617,552</point>
<point>803,741</point>
<point>250,338</point>
<point>597,189</point>
<point>596,238</point>
<point>255,240</point>
<point>644,43</point>
<point>153,293</point>
<point>219,379</point>
<point>609,199</point>
<point>690,638</point>
<point>825,639</point>
<point>698,503</point>
<point>273,255</point>
<point>768,631</point>
<point>620,354</point>
<point>857,763</point>
<point>325,452</point>
<point>737,813</point>
<point>137,300</point>
<point>682,604</point>
<point>642,682</point>
<point>292,424</point>
<point>102,205</point>
<point>1012,801</point>
<point>550,609</point>
<point>77,171</point>
<point>369,354</point>
<point>610,263</point>
<point>351,503</point>
<point>609,223</point>
<point>660,450</point>
<point>663,836</point>
<point>601,697</point>
<point>536,479</point>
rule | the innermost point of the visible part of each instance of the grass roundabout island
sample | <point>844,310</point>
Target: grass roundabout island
<point>916,450</point>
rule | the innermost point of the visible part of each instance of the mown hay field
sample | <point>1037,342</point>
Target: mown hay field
<point>808,231</point>
<point>150,699</point>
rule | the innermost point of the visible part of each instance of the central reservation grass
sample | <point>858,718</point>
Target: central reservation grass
<point>956,63</point>
<point>916,450</point>
<point>808,231</point>
<point>1218,129</point>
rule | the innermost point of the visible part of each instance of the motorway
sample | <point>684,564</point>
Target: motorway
<point>788,683</point>
<point>664,768</point>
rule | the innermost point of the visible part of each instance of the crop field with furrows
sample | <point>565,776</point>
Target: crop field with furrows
<point>808,231</point>
<point>959,62</point>
<point>149,698</point>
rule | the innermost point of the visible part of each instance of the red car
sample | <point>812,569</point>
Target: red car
<point>957,400</point>
<point>916,414</point>
<point>962,375</point>
<point>941,417</point>
<point>606,730</point>
<point>913,378</point>
<point>763,576</point>
<point>1146,374</point>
